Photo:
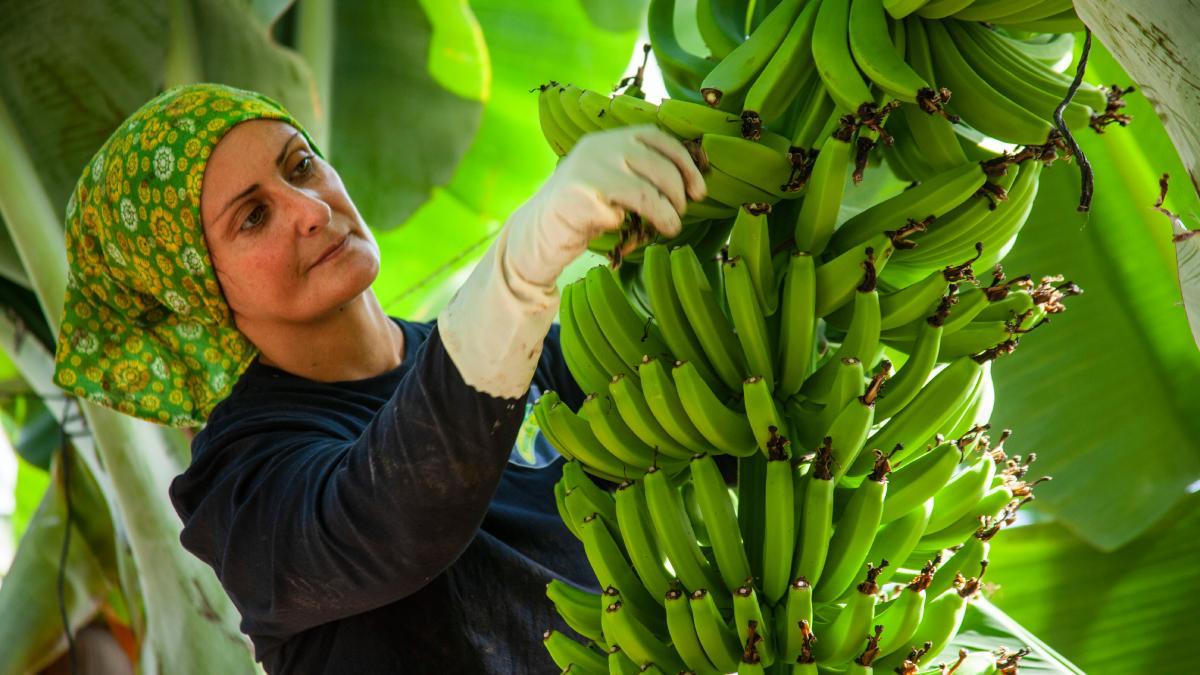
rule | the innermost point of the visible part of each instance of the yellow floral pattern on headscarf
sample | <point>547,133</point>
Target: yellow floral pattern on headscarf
<point>145,329</point>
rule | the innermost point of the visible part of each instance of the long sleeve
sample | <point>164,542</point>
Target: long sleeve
<point>306,522</point>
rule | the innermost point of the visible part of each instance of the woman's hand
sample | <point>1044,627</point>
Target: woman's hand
<point>493,327</point>
<point>606,175</point>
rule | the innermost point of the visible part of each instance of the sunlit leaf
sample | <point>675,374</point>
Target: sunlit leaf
<point>528,43</point>
<point>1125,611</point>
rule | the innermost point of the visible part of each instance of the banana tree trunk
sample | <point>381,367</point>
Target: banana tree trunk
<point>1155,42</point>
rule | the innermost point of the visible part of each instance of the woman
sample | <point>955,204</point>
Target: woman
<point>356,486</point>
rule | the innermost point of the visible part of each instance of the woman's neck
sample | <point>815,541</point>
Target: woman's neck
<point>358,341</point>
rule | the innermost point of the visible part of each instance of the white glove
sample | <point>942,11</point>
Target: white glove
<point>494,325</point>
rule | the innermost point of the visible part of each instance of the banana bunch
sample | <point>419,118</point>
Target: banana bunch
<point>795,571</point>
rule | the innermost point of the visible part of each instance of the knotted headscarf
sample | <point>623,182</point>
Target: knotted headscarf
<point>145,328</point>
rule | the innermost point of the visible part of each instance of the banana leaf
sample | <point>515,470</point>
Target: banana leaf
<point>30,620</point>
<point>528,44</point>
<point>1101,393</point>
<point>1116,612</point>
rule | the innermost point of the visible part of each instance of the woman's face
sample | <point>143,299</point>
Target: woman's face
<point>271,210</point>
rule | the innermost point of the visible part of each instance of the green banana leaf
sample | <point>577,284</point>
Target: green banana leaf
<point>1101,393</point>
<point>424,261</point>
<point>1116,612</point>
<point>30,619</point>
<point>986,627</point>
<point>31,483</point>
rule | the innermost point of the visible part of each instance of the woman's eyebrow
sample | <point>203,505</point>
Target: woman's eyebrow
<point>278,162</point>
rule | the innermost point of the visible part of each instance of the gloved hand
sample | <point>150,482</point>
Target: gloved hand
<point>494,326</point>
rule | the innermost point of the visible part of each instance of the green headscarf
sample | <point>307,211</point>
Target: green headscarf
<point>145,328</point>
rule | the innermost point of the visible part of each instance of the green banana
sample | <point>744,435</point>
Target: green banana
<point>568,95</point>
<point>899,9</point>
<point>636,640</point>
<point>595,106</point>
<point>560,503</point>
<point>777,85</point>
<point>569,654</point>
<point>722,25</point>
<point>580,609</point>
<point>620,664</point>
<point>663,400</point>
<point>683,634</point>
<point>849,430</point>
<point>750,240</point>
<point>712,497</point>
<point>709,324</point>
<point>847,385</point>
<point>616,437</point>
<point>832,57</point>
<point>559,139</point>
<point>826,185</point>
<point>853,536</point>
<point>753,631</point>
<point>918,480</point>
<point>1015,85</point>
<point>943,615</point>
<point>612,569</point>
<point>903,615</point>
<point>813,110</point>
<point>637,531</point>
<point>675,61</point>
<point>929,410</point>
<point>844,637</point>
<point>979,104</point>
<point>940,9</point>
<point>901,389</point>
<point>779,527</point>
<point>767,421</point>
<point>730,79</point>
<point>990,10</point>
<point>1036,12</point>
<point>838,278</point>
<point>688,491</point>
<point>799,607</point>
<point>862,335</point>
<point>961,493</point>
<point>748,320</point>
<point>898,539</point>
<point>635,411</point>
<point>797,331</point>
<point>751,507</point>
<point>719,640</point>
<point>578,440</point>
<point>993,501</point>
<point>631,110</point>
<point>965,560</point>
<point>1016,56</point>
<point>935,197</point>
<point>675,534</point>
<point>631,335</point>
<point>816,524</point>
<point>592,498</point>
<point>933,135</point>
<point>919,300</point>
<point>592,335</point>
<point>725,429</point>
<point>876,56</point>
<point>672,321</point>
<point>689,120</point>
<point>755,164</point>
<point>587,371</point>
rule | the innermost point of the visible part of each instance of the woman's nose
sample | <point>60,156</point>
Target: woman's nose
<point>308,211</point>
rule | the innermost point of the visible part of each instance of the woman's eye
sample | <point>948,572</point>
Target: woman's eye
<point>256,218</point>
<point>304,166</point>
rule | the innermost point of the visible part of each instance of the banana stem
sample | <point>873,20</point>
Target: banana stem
<point>1085,167</point>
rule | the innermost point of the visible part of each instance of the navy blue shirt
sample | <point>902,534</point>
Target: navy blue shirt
<point>386,525</point>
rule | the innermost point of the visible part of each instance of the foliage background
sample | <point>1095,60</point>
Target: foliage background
<point>426,109</point>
